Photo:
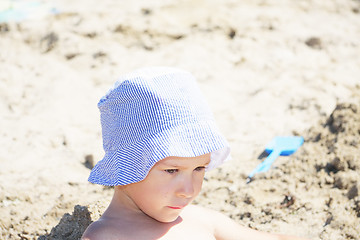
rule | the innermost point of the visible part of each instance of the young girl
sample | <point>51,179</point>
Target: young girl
<point>159,138</point>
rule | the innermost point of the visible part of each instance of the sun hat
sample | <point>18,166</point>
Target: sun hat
<point>151,114</point>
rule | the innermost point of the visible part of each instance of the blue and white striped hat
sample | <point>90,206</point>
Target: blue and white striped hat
<point>151,114</point>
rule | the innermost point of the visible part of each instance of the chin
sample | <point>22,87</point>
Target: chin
<point>168,219</point>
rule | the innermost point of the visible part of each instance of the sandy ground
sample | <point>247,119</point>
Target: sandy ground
<point>267,68</point>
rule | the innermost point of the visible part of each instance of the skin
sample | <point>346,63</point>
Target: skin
<point>159,208</point>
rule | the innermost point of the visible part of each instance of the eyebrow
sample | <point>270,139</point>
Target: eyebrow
<point>171,164</point>
<point>180,166</point>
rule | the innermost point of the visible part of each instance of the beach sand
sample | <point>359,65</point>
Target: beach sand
<point>267,68</point>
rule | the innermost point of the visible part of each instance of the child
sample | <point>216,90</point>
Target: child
<point>159,138</point>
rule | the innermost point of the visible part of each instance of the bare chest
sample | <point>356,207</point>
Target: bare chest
<point>186,231</point>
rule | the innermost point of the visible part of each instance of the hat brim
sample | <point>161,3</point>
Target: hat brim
<point>132,163</point>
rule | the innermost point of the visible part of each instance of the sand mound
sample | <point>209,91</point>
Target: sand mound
<point>71,226</point>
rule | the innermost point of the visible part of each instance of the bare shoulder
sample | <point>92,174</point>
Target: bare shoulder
<point>102,229</point>
<point>202,212</point>
<point>204,215</point>
<point>224,227</point>
<point>196,209</point>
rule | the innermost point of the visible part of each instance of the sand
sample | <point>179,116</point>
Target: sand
<point>267,68</point>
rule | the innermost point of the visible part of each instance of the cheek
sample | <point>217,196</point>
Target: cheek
<point>198,182</point>
<point>157,190</point>
<point>146,198</point>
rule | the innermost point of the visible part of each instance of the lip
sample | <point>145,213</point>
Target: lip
<point>176,207</point>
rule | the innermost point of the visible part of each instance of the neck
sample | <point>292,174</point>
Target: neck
<point>122,204</point>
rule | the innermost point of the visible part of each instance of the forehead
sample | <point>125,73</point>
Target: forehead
<point>185,161</point>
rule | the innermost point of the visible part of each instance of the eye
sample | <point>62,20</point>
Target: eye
<point>171,171</point>
<point>199,169</point>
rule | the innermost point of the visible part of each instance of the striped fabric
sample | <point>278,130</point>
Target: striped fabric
<point>151,114</point>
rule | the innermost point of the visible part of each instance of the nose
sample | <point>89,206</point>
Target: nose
<point>186,188</point>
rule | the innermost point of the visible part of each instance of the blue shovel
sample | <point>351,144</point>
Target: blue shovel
<point>279,146</point>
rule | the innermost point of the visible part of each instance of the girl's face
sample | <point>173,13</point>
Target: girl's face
<point>171,184</point>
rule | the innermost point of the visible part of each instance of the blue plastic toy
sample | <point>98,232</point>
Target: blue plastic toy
<point>279,146</point>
